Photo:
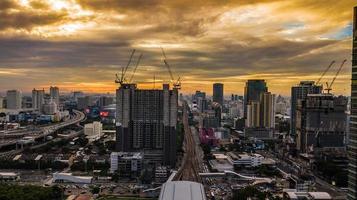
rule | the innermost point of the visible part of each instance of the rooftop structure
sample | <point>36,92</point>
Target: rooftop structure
<point>182,190</point>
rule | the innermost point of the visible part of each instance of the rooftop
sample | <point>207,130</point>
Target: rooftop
<point>182,190</point>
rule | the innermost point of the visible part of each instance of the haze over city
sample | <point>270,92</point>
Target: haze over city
<point>81,44</point>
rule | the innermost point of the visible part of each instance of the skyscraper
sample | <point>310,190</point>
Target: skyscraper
<point>218,93</point>
<point>300,92</point>
<point>13,99</point>
<point>146,121</point>
<point>38,99</point>
<point>252,91</point>
<point>352,167</point>
<point>54,94</point>
<point>267,101</point>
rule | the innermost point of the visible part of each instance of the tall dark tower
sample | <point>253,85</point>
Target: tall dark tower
<point>352,148</point>
<point>252,91</point>
<point>218,93</point>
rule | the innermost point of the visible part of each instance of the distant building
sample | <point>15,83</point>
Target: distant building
<point>38,99</point>
<point>252,91</point>
<point>218,93</point>
<point>84,102</point>
<point>321,122</point>
<point>1,103</point>
<point>13,99</point>
<point>54,95</point>
<point>126,164</point>
<point>300,92</point>
<point>93,129</point>
<point>267,101</point>
<point>50,108</point>
<point>105,101</point>
<point>146,120</point>
<point>245,160</point>
<point>260,119</point>
<point>352,168</point>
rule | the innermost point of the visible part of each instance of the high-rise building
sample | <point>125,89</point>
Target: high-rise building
<point>218,94</point>
<point>352,167</point>
<point>267,103</point>
<point>38,99</point>
<point>85,102</point>
<point>49,108</point>
<point>146,121</point>
<point>1,102</point>
<point>13,99</point>
<point>252,91</point>
<point>54,95</point>
<point>321,122</point>
<point>300,92</point>
<point>253,115</point>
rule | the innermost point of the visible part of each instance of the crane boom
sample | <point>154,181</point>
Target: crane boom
<point>136,66</point>
<point>326,70</point>
<point>329,86</point>
<point>127,66</point>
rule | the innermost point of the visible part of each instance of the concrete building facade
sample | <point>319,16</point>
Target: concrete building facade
<point>146,121</point>
<point>300,92</point>
<point>321,122</point>
<point>38,99</point>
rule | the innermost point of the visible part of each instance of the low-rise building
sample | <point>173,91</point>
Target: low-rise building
<point>245,160</point>
<point>126,163</point>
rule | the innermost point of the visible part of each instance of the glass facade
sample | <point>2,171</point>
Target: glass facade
<point>352,147</point>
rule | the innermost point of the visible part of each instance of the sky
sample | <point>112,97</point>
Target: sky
<point>82,44</point>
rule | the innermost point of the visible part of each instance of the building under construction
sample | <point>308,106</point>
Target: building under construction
<point>321,122</point>
<point>146,121</point>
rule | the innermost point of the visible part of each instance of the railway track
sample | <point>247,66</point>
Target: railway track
<point>189,170</point>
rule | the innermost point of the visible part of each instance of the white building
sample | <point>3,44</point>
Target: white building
<point>93,129</point>
<point>50,108</point>
<point>126,162</point>
<point>248,160</point>
<point>69,178</point>
<point>13,99</point>
<point>38,99</point>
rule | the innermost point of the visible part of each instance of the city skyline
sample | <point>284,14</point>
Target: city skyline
<point>79,45</point>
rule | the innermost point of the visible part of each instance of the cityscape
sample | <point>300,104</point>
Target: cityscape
<point>156,100</point>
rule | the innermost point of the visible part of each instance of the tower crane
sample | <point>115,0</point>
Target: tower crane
<point>326,70</point>
<point>329,86</point>
<point>121,79</point>
<point>177,83</point>
<point>136,66</point>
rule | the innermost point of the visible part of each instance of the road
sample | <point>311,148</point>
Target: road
<point>190,165</point>
<point>45,131</point>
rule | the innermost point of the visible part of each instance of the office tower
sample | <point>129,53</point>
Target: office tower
<point>352,166</point>
<point>54,95</point>
<point>252,91</point>
<point>267,103</point>
<point>321,122</point>
<point>77,94</point>
<point>218,93</point>
<point>94,129</point>
<point>253,114</point>
<point>38,99</point>
<point>146,121</point>
<point>13,99</point>
<point>300,92</point>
